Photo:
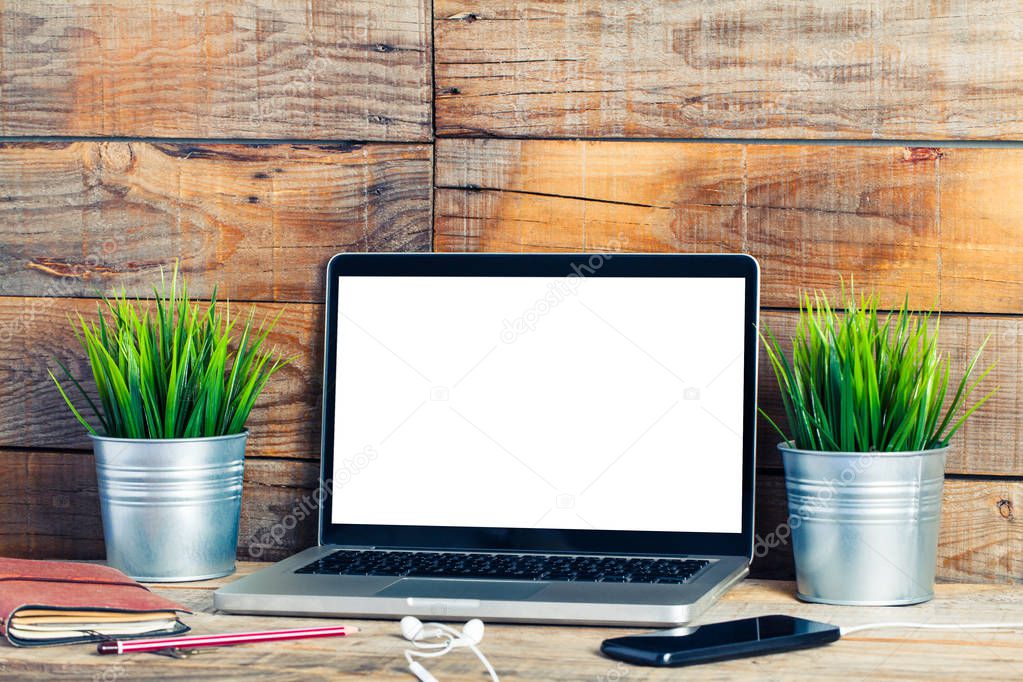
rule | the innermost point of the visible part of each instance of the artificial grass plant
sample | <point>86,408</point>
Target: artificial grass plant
<point>863,381</point>
<point>172,374</point>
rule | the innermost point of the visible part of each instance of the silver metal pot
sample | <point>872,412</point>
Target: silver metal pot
<point>864,525</point>
<point>171,507</point>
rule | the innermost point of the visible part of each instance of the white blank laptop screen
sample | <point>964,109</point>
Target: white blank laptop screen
<point>540,402</point>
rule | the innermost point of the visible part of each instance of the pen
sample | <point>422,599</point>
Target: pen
<point>127,646</point>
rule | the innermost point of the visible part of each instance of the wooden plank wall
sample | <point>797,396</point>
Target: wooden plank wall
<point>251,140</point>
<point>255,138</point>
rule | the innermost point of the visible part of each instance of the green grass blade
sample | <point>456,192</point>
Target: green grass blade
<point>862,381</point>
<point>169,369</point>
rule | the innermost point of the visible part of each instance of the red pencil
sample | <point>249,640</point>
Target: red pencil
<point>127,646</point>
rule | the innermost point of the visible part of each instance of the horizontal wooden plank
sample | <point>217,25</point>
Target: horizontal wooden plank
<point>990,442</point>
<point>35,332</point>
<point>53,511</point>
<point>51,508</point>
<point>980,540</point>
<point>739,68</point>
<point>279,509</point>
<point>243,69</point>
<point>286,420</point>
<point>57,516</point>
<point>260,220</point>
<point>944,225</point>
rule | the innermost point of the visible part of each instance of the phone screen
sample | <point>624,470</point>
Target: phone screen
<point>720,641</point>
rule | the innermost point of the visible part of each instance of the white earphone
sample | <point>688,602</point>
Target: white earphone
<point>420,634</point>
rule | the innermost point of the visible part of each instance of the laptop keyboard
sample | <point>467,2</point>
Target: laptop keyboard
<point>501,566</point>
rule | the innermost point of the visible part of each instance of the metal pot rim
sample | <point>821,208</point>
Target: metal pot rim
<point>109,439</point>
<point>784,447</point>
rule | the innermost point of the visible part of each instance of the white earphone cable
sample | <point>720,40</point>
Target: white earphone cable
<point>430,645</point>
<point>448,629</point>
<point>409,653</point>
<point>486,664</point>
<point>455,639</point>
<point>932,626</point>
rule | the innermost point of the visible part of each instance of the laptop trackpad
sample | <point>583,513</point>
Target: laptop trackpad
<point>428,588</point>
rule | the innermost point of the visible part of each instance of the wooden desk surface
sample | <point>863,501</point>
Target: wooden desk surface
<point>571,653</point>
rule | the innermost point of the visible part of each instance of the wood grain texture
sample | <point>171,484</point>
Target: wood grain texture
<point>239,69</point>
<point>35,331</point>
<point>286,420</point>
<point>944,225</point>
<point>980,541</point>
<point>895,219</point>
<point>260,220</point>
<point>989,443</point>
<point>571,653</point>
<point>56,514</point>
<point>981,538</point>
<point>739,69</point>
<point>51,509</point>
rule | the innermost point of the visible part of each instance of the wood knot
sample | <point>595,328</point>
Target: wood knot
<point>1005,509</point>
<point>923,154</point>
<point>117,157</point>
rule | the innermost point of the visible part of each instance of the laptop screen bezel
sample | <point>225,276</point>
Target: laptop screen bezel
<point>468,538</point>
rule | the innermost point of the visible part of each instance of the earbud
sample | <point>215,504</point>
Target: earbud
<point>411,627</point>
<point>415,631</point>
<point>418,633</point>
<point>473,631</point>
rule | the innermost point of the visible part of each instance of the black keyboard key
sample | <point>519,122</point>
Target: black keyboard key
<point>505,566</point>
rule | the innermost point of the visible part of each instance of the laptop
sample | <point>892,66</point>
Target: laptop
<point>547,438</point>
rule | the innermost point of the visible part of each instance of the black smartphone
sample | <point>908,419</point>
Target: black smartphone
<point>721,641</point>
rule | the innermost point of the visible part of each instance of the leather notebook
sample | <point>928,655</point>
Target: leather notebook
<point>61,602</point>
